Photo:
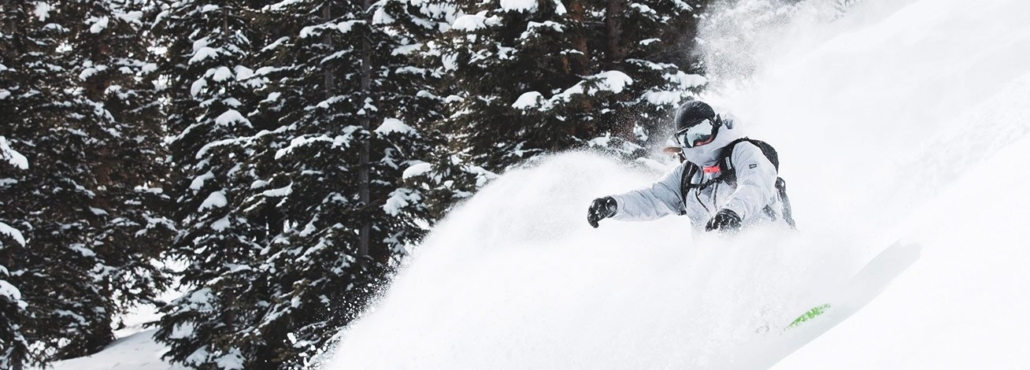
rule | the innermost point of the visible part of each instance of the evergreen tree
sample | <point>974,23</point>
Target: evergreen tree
<point>348,103</point>
<point>108,55</point>
<point>445,175</point>
<point>15,351</point>
<point>653,42</point>
<point>17,49</point>
<point>76,107</point>
<point>536,77</point>
<point>216,149</point>
<point>491,55</point>
<point>291,214</point>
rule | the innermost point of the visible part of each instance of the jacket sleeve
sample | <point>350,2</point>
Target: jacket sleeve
<point>661,199</point>
<point>756,181</point>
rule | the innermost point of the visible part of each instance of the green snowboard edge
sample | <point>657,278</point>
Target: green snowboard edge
<point>809,315</point>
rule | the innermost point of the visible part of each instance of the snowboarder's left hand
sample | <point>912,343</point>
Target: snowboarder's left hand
<point>725,220</point>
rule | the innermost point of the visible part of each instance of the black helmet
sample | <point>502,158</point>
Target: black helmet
<point>696,124</point>
<point>692,112</point>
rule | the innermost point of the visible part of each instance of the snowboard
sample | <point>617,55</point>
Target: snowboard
<point>809,315</point>
<point>862,288</point>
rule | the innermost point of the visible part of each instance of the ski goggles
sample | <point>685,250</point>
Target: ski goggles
<point>698,134</point>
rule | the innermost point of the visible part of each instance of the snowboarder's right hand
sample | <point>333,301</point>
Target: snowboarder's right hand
<point>724,221</point>
<point>600,209</point>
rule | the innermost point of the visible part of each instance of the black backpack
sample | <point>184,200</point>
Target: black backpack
<point>730,176</point>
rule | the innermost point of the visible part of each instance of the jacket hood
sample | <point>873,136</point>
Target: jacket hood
<point>708,154</point>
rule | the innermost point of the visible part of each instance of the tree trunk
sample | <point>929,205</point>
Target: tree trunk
<point>578,64</point>
<point>614,25</point>
<point>366,146</point>
<point>330,82</point>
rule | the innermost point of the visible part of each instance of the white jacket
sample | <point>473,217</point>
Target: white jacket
<point>755,188</point>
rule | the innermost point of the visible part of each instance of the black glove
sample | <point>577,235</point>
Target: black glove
<point>725,220</point>
<point>600,209</point>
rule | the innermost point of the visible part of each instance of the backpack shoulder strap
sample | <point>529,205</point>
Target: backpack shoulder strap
<point>725,160</point>
<point>726,163</point>
<point>689,171</point>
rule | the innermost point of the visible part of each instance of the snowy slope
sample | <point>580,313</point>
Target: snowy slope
<point>134,349</point>
<point>963,304</point>
<point>134,352</point>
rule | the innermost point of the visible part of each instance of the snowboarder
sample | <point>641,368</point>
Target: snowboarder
<point>725,181</point>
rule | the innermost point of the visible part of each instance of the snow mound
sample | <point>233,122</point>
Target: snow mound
<point>135,352</point>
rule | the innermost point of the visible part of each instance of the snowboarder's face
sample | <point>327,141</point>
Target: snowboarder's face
<point>696,135</point>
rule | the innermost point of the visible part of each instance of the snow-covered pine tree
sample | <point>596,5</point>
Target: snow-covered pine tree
<point>348,103</point>
<point>112,72</point>
<point>538,76</point>
<point>447,175</point>
<point>76,107</point>
<point>652,41</point>
<point>18,49</point>
<point>493,53</point>
<point>15,351</point>
<point>28,102</point>
<point>207,64</point>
